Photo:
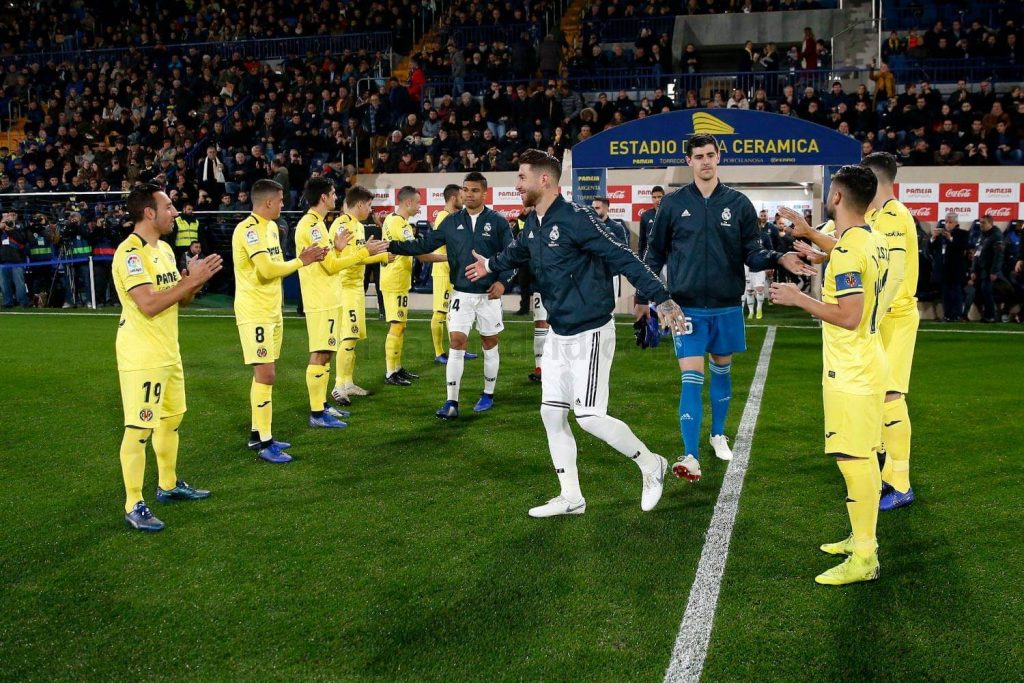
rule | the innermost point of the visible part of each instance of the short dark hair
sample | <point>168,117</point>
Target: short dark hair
<point>475,177</point>
<point>883,164</point>
<point>700,140</point>
<point>858,184</point>
<point>263,188</point>
<point>658,188</point>
<point>603,200</point>
<point>542,161</point>
<point>407,192</point>
<point>451,190</point>
<point>142,197</point>
<point>315,188</point>
<point>356,194</point>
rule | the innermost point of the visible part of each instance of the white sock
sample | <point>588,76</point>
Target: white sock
<point>563,449</point>
<point>491,362</point>
<point>540,334</point>
<point>760,299</point>
<point>453,372</point>
<point>619,436</point>
<point>748,299</point>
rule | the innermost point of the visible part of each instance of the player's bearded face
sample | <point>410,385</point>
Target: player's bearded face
<point>528,186</point>
<point>830,203</point>
<point>165,214</point>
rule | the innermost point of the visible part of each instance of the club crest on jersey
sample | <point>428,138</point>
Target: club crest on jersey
<point>251,238</point>
<point>134,264</point>
<point>487,229</point>
<point>332,341</point>
<point>355,329</point>
<point>726,216</point>
<point>554,233</point>
<point>261,352</point>
<point>146,415</point>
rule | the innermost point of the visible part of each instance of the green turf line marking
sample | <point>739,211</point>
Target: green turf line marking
<point>691,647</point>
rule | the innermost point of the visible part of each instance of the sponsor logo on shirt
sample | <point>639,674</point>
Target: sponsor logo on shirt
<point>134,264</point>
<point>251,238</point>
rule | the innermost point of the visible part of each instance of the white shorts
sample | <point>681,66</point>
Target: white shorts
<point>539,312</point>
<point>467,308</point>
<point>754,279</point>
<point>576,370</point>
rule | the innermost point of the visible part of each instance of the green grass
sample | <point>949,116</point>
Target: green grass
<point>399,549</point>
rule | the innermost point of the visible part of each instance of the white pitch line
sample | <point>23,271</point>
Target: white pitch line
<point>691,646</point>
<point>216,316</point>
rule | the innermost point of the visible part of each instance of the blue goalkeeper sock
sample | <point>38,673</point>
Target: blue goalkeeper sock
<point>721,393</point>
<point>691,410</point>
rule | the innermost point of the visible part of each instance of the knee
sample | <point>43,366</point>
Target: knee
<point>265,373</point>
<point>596,424</point>
<point>397,329</point>
<point>553,416</point>
<point>457,341</point>
<point>488,342</point>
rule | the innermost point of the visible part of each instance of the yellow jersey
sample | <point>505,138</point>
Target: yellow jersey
<point>397,275</point>
<point>440,268</point>
<point>144,343</point>
<point>352,276</point>
<point>896,223</point>
<point>320,290</point>
<point>854,361</point>
<point>256,300</point>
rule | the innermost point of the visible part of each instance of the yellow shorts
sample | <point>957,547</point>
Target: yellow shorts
<point>899,336</point>
<point>396,306</point>
<point>324,329</point>
<point>353,313</point>
<point>148,395</point>
<point>853,423</point>
<point>442,294</point>
<point>261,342</point>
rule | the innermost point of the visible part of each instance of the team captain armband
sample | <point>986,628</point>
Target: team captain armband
<point>850,283</point>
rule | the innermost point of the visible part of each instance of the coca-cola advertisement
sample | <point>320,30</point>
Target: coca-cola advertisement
<point>926,213</point>
<point>999,212</point>
<point>620,194</point>
<point>639,209</point>
<point>511,213</point>
<point>958,192</point>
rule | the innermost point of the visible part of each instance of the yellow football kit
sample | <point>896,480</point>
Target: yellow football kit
<point>855,368</point>
<point>149,365</point>
<point>440,274</point>
<point>396,277</point>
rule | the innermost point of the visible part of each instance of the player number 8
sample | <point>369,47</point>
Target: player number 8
<point>259,335</point>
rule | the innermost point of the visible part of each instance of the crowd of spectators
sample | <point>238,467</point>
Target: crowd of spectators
<point>1000,44</point>
<point>59,25</point>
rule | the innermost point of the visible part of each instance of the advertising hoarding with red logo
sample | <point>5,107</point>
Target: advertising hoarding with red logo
<point>1000,212</point>
<point>958,192</point>
<point>924,212</point>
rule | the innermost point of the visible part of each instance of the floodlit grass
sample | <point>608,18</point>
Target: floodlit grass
<point>400,549</point>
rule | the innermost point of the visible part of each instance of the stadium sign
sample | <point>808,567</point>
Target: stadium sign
<point>744,138</point>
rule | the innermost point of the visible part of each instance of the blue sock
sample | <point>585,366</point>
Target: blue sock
<point>691,410</point>
<point>721,393</point>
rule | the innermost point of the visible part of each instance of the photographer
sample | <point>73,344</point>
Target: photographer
<point>103,236</point>
<point>13,241</point>
<point>74,245</point>
<point>42,237</point>
<point>948,250</point>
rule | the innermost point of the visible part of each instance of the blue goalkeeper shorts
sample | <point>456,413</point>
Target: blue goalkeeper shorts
<point>718,331</point>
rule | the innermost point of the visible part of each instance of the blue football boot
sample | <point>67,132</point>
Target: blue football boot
<point>275,454</point>
<point>181,491</point>
<point>485,403</point>
<point>142,519</point>
<point>449,411</point>
<point>893,500</point>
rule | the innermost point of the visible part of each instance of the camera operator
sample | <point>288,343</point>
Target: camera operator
<point>13,242</point>
<point>73,234</point>
<point>42,237</point>
<point>103,237</point>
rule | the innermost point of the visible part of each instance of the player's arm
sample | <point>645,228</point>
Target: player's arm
<point>152,302</point>
<point>802,228</point>
<point>659,237</point>
<point>430,241</point>
<point>273,270</point>
<point>845,313</point>
<point>505,235</point>
<point>897,257</point>
<point>515,254</point>
<point>595,238</point>
<point>339,256</point>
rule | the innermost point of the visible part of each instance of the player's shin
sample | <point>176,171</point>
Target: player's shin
<point>346,364</point>
<point>492,361</point>
<point>562,446</point>
<point>896,433</point>
<point>317,377</point>
<point>720,393</point>
<point>453,372</point>
<point>862,495</point>
<point>619,436</point>
<point>165,445</point>
<point>133,464</point>
<point>690,410</point>
<point>540,335</point>
<point>437,334</point>
<point>262,409</point>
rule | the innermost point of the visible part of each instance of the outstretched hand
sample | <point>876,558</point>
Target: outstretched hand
<point>477,269</point>
<point>376,246</point>
<point>809,252</point>
<point>801,228</point>
<point>796,265</point>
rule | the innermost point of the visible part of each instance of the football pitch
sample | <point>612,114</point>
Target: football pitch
<point>399,549</point>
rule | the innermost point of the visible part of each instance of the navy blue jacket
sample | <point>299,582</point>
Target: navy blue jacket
<point>456,232</point>
<point>618,230</point>
<point>705,243</point>
<point>573,257</point>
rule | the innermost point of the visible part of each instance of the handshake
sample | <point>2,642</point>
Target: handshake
<point>315,253</point>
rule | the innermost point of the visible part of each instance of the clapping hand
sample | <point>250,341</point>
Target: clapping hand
<point>312,254</point>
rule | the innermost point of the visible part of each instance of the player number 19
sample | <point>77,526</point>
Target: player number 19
<point>152,388</point>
